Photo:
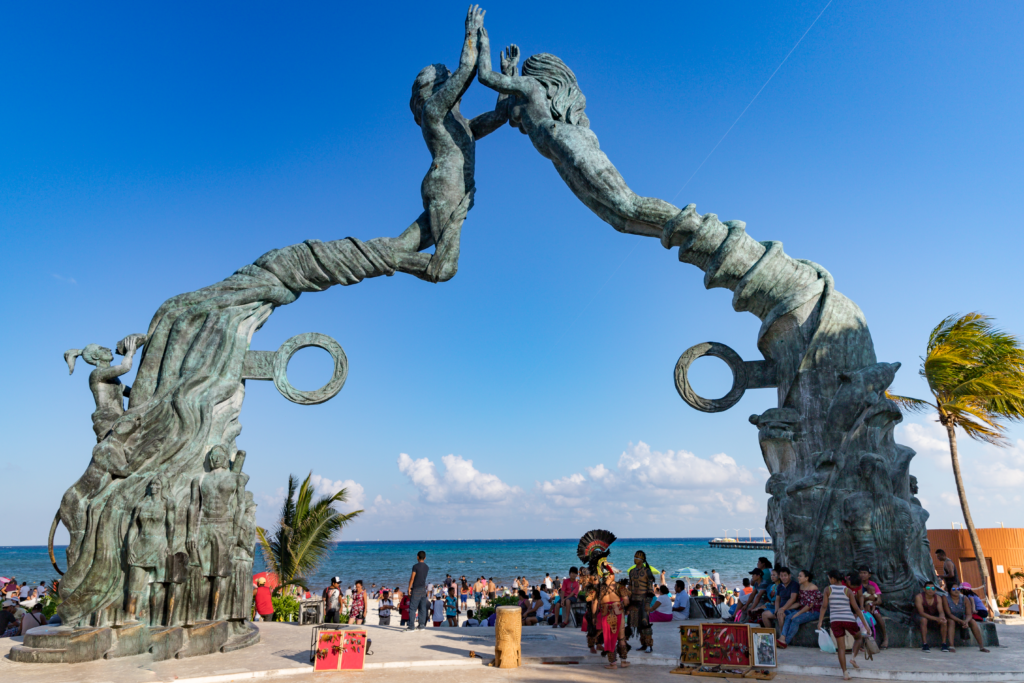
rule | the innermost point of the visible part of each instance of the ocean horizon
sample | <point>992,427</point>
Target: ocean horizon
<point>389,563</point>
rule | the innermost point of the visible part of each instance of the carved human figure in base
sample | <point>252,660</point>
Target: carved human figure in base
<point>150,538</point>
<point>449,185</point>
<point>209,537</point>
<point>242,558</point>
<point>107,390</point>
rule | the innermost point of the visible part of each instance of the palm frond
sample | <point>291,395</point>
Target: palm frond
<point>302,539</point>
<point>909,404</point>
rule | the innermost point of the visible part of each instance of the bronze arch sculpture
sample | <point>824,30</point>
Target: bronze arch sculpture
<point>840,485</point>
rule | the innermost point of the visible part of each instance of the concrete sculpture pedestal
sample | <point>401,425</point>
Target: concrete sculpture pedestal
<point>68,645</point>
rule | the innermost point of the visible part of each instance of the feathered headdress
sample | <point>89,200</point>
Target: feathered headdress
<point>594,547</point>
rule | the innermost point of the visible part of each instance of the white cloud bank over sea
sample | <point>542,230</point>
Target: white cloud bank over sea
<point>646,492</point>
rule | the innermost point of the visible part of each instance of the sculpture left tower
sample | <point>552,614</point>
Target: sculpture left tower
<point>162,530</point>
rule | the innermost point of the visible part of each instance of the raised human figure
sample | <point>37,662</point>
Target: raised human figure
<point>148,546</point>
<point>209,537</point>
<point>107,389</point>
<point>549,107</point>
<point>449,185</point>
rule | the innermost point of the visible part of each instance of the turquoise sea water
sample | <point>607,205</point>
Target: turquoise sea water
<point>389,562</point>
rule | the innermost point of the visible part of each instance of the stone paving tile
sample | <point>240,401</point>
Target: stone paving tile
<point>286,647</point>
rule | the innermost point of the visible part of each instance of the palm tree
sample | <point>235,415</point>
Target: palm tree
<point>975,373</point>
<point>301,540</point>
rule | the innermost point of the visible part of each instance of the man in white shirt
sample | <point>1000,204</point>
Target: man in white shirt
<point>715,577</point>
<point>545,599</point>
<point>681,605</point>
<point>547,581</point>
<point>384,606</point>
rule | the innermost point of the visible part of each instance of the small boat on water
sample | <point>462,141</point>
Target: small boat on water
<point>737,544</point>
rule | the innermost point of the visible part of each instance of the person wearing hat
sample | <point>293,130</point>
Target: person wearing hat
<point>332,601</point>
<point>264,600</point>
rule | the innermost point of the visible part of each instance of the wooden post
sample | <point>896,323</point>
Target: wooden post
<point>508,631</point>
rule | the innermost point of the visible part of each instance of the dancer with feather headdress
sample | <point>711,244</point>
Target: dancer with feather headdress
<point>606,600</point>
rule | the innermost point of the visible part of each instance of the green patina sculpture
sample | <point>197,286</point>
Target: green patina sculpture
<point>162,528</point>
<point>840,485</point>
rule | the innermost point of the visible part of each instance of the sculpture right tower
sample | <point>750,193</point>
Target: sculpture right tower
<point>839,483</point>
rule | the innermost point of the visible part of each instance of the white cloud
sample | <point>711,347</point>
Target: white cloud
<point>675,470</point>
<point>323,486</point>
<point>949,498</point>
<point>670,492</point>
<point>460,483</point>
<point>658,486</point>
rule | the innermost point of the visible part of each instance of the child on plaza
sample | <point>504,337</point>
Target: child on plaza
<point>844,613</point>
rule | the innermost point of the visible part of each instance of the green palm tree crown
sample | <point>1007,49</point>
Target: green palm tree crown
<point>300,542</point>
<point>975,373</point>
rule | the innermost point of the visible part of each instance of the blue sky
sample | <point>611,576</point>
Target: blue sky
<point>149,151</point>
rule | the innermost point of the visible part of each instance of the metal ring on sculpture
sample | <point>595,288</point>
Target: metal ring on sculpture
<point>327,391</point>
<point>731,358</point>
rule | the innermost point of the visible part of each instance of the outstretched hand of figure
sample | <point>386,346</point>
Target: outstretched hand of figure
<point>130,345</point>
<point>510,60</point>
<point>474,19</point>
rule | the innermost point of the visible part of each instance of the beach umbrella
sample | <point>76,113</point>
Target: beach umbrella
<point>688,573</point>
<point>269,576</point>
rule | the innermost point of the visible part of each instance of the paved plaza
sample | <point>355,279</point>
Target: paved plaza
<point>548,654</point>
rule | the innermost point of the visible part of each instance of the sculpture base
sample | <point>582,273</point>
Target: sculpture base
<point>903,631</point>
<point>68,645</point>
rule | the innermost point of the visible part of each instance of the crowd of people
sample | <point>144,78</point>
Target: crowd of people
<point>774,598</point>
<point>22,606</point>
<point>612,606</point>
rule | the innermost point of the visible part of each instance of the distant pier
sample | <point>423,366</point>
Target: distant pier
<point>740,545</point>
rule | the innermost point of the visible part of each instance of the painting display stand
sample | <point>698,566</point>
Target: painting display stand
<point>338,650</point>
<point>720,650</point>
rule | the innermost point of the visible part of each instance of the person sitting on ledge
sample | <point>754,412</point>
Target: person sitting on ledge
<point>961,613</point>
<point>980,611</point>
<point>810,608</point>
<point>931,610</point>
<point>661,610</point>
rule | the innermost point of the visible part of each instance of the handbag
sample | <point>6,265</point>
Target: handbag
<point>870,646</point>
<point>825,642</point>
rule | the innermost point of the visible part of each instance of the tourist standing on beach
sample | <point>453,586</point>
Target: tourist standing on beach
<point>478,592</point>
<point>418,605</point>
<point>451,608</point>
<point>357,613</point>
<point>570,590</point>
<point>464,592</point>
<point>384,608</point>
<point>332,601</point>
